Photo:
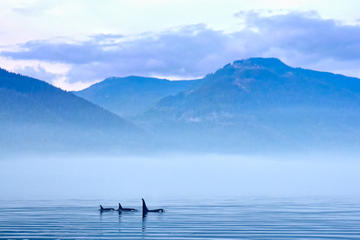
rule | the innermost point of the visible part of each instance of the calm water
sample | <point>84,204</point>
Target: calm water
<point>190,219</point>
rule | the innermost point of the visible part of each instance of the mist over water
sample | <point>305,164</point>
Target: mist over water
<point>204,197</point>
<point>177,176</point>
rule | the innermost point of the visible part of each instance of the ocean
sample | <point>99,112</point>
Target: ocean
<point>228,218</point>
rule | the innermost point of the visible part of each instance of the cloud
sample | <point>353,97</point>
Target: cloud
<point>299,38</point>
<point>308,33</point>
<point>32,7</point>
<point>38,72</point>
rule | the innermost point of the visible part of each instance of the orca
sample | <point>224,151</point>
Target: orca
<point>121,209</point>
<point>102,209</point>
<point>145,210</point>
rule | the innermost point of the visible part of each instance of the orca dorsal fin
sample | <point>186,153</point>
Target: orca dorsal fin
<point>120,207</point>
<point>145,209</point>
<point>101,207</point>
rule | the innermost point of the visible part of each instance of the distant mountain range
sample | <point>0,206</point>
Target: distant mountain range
<point>257,84</point>
<point>130,96</point>
<point>256,104</point>
<point>35,114</point>
<point>263,103</point>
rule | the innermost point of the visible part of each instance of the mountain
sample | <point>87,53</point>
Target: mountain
<point>256,105</point>
<point>130,96</point>
<point>35,114</point>
<point>260,103</point>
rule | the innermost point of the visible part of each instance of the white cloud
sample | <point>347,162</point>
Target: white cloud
<point>22,21</point>
<point>298,38</point>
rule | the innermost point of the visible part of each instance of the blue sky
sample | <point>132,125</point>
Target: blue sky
<point>73,44</point>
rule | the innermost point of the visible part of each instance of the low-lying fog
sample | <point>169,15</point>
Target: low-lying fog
<point>178,176</point>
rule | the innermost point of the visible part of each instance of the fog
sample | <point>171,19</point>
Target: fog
<point>178,176</point>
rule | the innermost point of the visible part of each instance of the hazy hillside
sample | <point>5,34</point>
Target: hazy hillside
<point>34,114</point>
<point>257,104</point>
<point>132,95</point>
<point>263,103</point>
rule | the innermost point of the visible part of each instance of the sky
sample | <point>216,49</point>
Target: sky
<point>75,43</point>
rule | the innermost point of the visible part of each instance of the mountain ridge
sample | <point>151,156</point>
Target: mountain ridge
<point>264,102</point>
<point>248,105</point>
<point>131,95</point>
<point>35,114</point>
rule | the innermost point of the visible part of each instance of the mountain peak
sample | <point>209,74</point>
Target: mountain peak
<point>260,61</point>
<point>273,63</point>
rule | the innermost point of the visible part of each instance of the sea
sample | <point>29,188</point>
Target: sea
<point>218,218</point>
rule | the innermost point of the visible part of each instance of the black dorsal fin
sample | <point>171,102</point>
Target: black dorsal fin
<point>144,208</point>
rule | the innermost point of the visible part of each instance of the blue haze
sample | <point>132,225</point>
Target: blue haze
<point>256,105</point>
<point>257,127</point>
<point>133,95</point>
<point>257,148</point>
<point>172,176</point>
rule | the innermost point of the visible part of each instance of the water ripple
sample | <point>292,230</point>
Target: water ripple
<point>189,220</point>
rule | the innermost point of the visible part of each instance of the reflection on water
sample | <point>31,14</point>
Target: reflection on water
<point>210,219</point>
<point>143,228</point>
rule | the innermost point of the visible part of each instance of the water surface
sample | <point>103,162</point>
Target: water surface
<point>250,218</point>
